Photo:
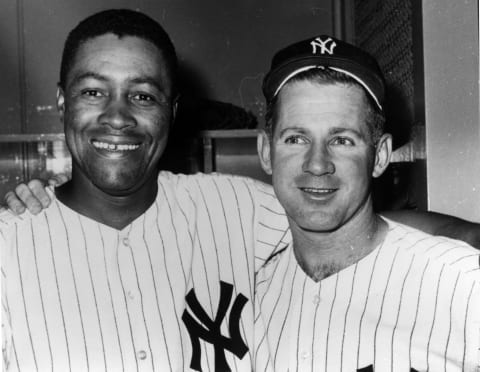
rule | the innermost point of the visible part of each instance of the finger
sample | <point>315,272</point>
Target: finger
<point>38,190</point>
<point>14,203</point>
<point>58,180</point>
<point>29,200</point>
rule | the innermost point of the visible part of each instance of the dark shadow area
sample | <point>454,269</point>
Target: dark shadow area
<point>391,190</point>
<point>196,113</point>
<point>399,116</point>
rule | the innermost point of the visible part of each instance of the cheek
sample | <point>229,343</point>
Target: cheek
<point>73,127</point>
<point>159,131</point>
<point>284,170</point>
<point>283,157</point>
<point>156,128</point>
<point>77,118</point>
<point>358,175</point>
<point>158,122</point>
<point>76,107</point>
<point>359,162</point>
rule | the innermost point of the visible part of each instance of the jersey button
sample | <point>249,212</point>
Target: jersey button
<point>126,241</point>
<point>305,355</point>
<point>130,295</point>
<point>142,355</point>
<point>316,299</point>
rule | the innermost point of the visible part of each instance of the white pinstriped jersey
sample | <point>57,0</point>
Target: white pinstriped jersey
<point>172,290</point>
<point>411,304</point>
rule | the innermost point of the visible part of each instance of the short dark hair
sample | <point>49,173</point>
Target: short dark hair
<point>120,22</point>
<point>375,117</point>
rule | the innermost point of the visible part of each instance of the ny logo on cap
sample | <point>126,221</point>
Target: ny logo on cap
<point>326,46</point>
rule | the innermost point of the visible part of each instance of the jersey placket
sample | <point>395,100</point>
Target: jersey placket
<point>308,301</point>
<point>315,331</point>
<point>128,273</point>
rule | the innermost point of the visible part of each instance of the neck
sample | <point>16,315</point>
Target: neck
<point>321,254</point>
<point>116,211</point>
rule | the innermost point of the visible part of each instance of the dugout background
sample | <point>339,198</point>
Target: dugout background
<point>427,48</point>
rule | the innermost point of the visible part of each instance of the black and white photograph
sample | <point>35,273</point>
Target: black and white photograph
<point>240,186</point>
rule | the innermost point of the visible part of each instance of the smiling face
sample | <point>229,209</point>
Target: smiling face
<point>321,156</point>
<point>116,107</point>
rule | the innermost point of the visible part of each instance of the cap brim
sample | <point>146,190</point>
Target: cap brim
<point>276,79</point>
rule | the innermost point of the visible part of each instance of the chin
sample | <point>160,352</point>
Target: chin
<point>120,187</point>
<point>320,228</point>
<point>118,181</point>
<point>323,223</point>
<point>117,190</point>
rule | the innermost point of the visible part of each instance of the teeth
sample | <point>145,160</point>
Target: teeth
<point>318,191</point>
<point>113,147</point>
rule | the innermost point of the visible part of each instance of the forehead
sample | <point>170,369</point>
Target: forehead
<point>109,54</point>
<point>319,105</point>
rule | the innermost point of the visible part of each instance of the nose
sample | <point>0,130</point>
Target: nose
<point>117,115</point>
<point>318,161</point>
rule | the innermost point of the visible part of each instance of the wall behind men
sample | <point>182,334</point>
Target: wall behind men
<point>451,46</point>
<point>224,48</point>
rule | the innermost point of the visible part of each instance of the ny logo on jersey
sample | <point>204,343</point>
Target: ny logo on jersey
<point>207,329</point>
<point>326,46</point>
<point>370,369</point>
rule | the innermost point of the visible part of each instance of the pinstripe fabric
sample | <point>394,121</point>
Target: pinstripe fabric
<point>414,302</point>
<point>80,296</point>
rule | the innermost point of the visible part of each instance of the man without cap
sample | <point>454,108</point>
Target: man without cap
<point>130,269</point>
<point>354,291</point>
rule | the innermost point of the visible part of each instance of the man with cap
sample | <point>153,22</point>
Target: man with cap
<point>354,291</point>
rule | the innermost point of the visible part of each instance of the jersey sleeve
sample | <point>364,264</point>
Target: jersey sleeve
<point>6,329</point>
<point>272,232</point>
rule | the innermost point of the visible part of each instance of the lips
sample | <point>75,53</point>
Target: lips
<point>319,193</point>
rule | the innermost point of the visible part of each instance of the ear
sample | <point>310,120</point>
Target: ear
<point>263,149</point>
<point>383,152</point>
<point>60,102</point>
<point>175,107</point>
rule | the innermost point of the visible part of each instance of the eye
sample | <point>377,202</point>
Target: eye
<point>92,93</point>
<point>342,141</point>
<point>143,99</point>
<point>295,140</point>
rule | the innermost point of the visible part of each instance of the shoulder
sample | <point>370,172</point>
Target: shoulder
<point>179,178</point>
<point>452,255</point>
<point>216,183</point>
<point>8,219</point>
<point>14,228</point>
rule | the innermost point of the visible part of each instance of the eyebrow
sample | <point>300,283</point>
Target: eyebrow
<point>87,75</point>
<point>290,129</point>
<point>337,130</point>
<point>334,130</point>
<point>96,76</point>
<point>149,81</point>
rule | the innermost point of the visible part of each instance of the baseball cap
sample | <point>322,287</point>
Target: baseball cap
<point>325,52</point>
